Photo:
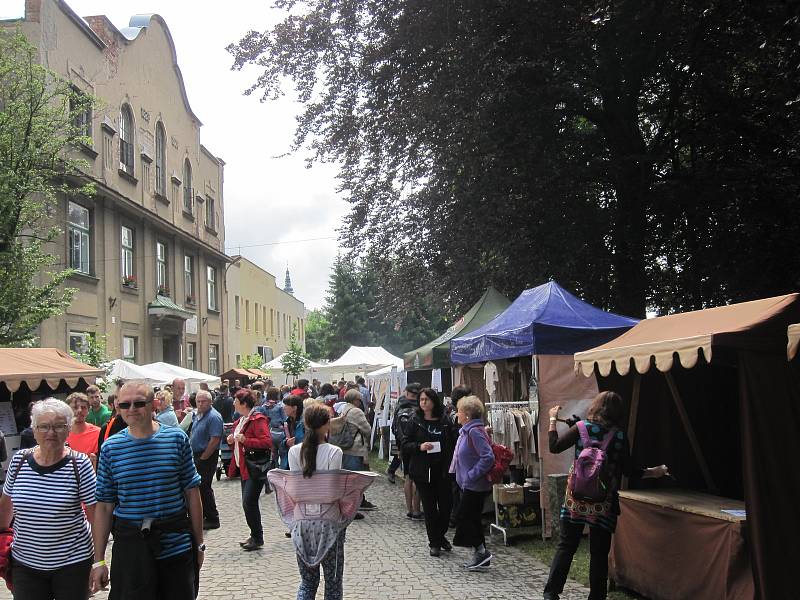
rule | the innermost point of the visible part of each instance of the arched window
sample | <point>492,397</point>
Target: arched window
<point>161,160</point>
<point>187,186</point>
<point>126,139</point>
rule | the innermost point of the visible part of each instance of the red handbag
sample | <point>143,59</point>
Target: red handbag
<point>6,537</point>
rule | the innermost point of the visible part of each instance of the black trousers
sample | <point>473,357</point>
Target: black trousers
<point>175,578</point>
<point>394,465</point>
<point>436,502</point>
<point>599,546</point>
<point>67,583</point>
<point>469,528</point>
<point>207,469</point>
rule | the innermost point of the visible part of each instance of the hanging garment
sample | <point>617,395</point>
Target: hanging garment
<point>436,380</point>
<point>490,376</point>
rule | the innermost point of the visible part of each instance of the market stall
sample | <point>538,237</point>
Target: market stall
<point>721,409</point>
<point>423,363</point>
<point>192,378</point>
<point>122,370</point>
<point>244,376</point>
<point>360,360</point>
<point>522,360</point>
<point>29,374</point>
<point>274,370</point>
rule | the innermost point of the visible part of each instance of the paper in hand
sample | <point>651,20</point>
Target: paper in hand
<point>437,447</point>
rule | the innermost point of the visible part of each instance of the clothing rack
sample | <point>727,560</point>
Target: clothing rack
<point>523,403</point>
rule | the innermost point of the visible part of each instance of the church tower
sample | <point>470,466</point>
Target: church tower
<point>287,284</point>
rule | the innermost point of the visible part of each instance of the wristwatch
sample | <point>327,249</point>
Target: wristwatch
<point>201,547</point>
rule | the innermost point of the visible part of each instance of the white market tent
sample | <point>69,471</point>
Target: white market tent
<point>279,376</point>
<point>128,371</point>
<point>193,378</point>
<point>364,359</point>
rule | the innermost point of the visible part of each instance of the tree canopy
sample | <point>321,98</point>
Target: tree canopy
<point>39,125</point>
<point>626,149</point>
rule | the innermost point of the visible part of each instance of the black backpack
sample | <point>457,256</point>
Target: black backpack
<point>400,422</point>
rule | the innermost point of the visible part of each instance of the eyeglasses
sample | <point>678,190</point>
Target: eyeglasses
<point>136,404</point>
<point>47,428</point>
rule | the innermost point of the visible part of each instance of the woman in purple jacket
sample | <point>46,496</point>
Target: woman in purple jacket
<point>472,461</point>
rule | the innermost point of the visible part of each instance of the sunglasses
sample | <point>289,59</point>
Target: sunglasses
<point>127,405</point>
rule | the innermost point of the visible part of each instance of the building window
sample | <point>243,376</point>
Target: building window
<point>212,288</point>
<point>271,323</point>
<point>265,352</point>
<point>126,261</point>
<point>247,315</point>
<point>79,231</point>
<point>129,348</point>
<point>126,139</point>
<point>161,160</point>
<point>161,269</point>
<point>187,186</point>
<point>264,318</point>
<point>79,341</point>
<point>188,278</point>
<point>80,108</point>
<point>278,318</point>
<point>255,316</point>
<point>236,310</point>
<point>190,356</point>
<point>238,360</point>
<point>213,359</point>
<point>210,215</point>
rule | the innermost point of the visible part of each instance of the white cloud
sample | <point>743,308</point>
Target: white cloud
<point>267,199</point>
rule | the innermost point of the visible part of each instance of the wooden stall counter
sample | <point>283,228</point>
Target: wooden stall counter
<point>677,544</point>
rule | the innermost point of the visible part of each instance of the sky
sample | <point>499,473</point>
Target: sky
<point>268,200</point>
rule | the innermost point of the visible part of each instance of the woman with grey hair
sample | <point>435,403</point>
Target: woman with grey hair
<point>45,488</point>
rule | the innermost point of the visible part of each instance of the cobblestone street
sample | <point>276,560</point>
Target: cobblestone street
<point>387,559</point>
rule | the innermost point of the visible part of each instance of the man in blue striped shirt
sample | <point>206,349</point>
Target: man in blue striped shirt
<point>147,480</point>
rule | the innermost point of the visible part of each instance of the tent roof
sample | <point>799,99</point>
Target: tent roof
<point>688,334</point>
<point>275,363</point>
<point>173,371</point>
<point>436,354</point>
<point>365,358</point>
<point>543,320</point>
<point>794,340</point>
<point>128,371</point>
<point>235,373</point>
<point>37,365</point>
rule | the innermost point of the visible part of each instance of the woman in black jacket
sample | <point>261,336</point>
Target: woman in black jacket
<point>429,440</point>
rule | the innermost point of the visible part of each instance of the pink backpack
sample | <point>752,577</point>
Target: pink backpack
<point>590,471</point>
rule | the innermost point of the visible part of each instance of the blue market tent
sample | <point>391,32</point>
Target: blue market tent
<point>543,320</point>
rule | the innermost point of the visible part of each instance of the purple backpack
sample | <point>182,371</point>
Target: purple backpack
<point>590,472</point>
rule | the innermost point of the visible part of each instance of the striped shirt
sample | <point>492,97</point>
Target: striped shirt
<point>147,478</point>
<point>50,527</point>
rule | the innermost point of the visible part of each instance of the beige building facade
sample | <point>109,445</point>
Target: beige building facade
<point>148,248</point>
<point>261,315</point>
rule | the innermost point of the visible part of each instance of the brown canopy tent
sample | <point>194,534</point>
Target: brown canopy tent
<point>35,366</point>
<point>740,418</point>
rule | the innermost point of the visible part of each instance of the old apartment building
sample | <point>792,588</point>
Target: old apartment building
<point>148,248</point>
<point>261,315</point>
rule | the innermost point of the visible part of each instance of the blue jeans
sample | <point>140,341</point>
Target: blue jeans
<point>251,490</point>
<point>332,565</point>
<point>352,463</point>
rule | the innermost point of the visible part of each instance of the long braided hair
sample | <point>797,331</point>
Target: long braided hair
<point>316,416</point>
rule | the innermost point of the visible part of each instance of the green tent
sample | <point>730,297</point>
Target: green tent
<point>436,354</point>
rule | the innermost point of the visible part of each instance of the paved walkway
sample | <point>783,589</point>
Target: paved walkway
<point>387,559</point>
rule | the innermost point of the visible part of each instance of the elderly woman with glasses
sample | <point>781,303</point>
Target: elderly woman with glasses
<point>44,491</point>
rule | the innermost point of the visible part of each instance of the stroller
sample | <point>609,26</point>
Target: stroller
<point>225,451</point>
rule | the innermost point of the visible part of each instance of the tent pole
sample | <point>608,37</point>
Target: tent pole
<point>637,388</point>
<point>687,425</point>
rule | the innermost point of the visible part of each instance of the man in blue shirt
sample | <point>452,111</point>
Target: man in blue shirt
<point>207,429</point>
<point>147,481</point>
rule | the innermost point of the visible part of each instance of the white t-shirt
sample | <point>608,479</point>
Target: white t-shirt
<point>328,457</point>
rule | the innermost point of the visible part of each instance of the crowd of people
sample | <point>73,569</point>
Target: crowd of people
<point>141,466</point>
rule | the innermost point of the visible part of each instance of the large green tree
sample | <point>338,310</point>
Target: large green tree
<point>622,148</point>
<point>40,124</point>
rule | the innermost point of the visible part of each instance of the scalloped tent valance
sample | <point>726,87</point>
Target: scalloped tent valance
<point>35,366</point>
<point>685,336</point>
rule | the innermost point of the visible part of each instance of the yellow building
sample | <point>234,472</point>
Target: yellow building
<point>261,315</point>
<point>148,248</point>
